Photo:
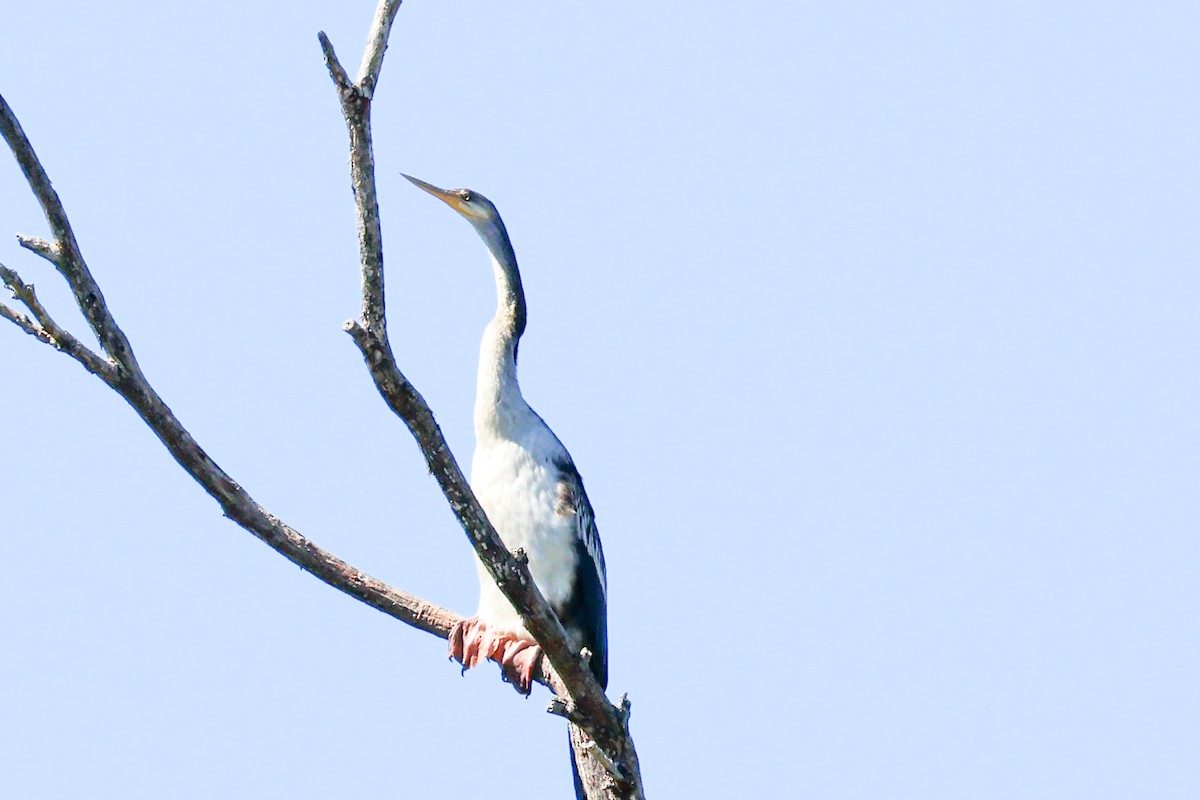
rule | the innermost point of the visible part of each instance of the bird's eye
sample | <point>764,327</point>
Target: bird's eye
<point>466,196</point>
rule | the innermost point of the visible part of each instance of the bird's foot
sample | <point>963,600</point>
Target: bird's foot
<point>517,657</point>
<point>471,642</point>
<point>468,641</point>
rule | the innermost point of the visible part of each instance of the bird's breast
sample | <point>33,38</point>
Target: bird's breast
<point>519,490</point>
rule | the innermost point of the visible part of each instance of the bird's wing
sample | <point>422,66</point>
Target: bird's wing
<point>573,501</point>
<point>586,609</point>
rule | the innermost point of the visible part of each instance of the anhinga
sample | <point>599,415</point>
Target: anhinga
<point>528,486</point>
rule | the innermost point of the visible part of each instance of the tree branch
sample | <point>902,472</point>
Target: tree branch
<point>377,41</point>
<point>124,377</point>
<point>65,253</point>
<point>356,107</point>
<point>24,323</point>
<point>47,330</point>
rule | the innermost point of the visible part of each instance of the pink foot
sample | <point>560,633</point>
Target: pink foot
<point>468,639</point>
<point>471,642</point>
<point>517,657</point>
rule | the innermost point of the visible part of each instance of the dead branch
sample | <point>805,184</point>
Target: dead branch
<point>121,373</point>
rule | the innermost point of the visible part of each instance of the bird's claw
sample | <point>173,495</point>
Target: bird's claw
<point>518,658</point>
<point>471,642</point>
<point>467,639</point>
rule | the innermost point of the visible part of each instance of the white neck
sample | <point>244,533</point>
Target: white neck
<point>500,410</point>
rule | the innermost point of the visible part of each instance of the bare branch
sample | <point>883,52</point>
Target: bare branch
<point>356,107</point>
<point>131,384</point>
<point>377,41</point>
<point>47,330</point>
<point>565,709</point>
<point>47,250</point>
<point>24,323</point>
<point>336,71</point>
<point>67,257</point>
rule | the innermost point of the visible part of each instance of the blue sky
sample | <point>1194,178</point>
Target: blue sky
<point>870,326</point>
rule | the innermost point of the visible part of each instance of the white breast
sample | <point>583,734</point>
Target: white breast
<point>517,484</point>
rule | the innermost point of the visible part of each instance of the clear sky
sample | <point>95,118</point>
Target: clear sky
<point>871,327</point>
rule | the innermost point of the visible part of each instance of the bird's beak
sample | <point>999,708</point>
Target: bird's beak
<point>449,198</point>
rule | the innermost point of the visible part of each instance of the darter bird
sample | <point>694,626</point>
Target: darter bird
<point>528,486</point>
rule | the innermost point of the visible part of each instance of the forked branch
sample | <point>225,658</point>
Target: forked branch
<point>120,371</point>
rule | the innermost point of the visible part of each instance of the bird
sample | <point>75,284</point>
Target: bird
<point>528,486</point>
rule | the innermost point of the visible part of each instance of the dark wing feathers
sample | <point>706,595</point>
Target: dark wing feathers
<point>585,612</point>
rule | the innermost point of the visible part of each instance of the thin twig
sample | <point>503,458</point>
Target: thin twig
<point>49,331</point>
<point>25,323</point>
<point>565,709</point>
<point>377,42</point>
<point>47,250</point>
<point>340,77</point>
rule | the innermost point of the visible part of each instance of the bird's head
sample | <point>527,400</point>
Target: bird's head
<point>485,219</point>
<point>476,208</point>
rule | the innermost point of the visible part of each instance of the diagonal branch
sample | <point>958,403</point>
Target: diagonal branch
<point>123,376</point>
<point>65,253</point>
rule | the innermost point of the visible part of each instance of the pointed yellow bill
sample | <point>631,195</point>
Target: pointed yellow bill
<point>451,199</point>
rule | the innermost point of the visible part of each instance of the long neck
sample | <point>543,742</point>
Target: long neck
<point>498,402</point>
